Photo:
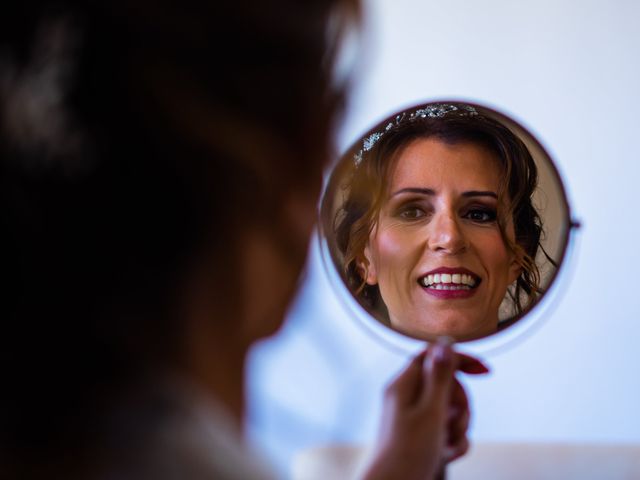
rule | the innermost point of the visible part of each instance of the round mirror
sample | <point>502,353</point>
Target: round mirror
<point>446,218</point>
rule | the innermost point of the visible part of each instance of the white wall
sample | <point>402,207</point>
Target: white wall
<point>570,71</point>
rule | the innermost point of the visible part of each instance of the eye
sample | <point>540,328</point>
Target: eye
<point>481,215</point>
<point>411,212</point>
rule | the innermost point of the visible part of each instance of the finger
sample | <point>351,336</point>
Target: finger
<point>451,452</point>
<point>471,365</point>
<point>405,389</point>
<point>457,443</point>
<point>457,426</point>
<point>459,414</point>
<point>438,375</point>
<point>459,397</point>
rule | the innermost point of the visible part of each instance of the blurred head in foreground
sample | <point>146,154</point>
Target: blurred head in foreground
<point>160,164</point>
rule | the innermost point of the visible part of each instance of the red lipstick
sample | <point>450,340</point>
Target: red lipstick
<point>450,282</point>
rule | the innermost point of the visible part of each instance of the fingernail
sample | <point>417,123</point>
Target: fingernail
<point>443,352</point>
<point>478,368</point>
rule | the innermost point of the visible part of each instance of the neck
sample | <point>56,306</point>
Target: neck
<point>213,347</point>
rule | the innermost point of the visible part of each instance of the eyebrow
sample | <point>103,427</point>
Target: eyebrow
<point>429,191</point>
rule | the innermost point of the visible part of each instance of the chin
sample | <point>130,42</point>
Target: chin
<point>457,328</point>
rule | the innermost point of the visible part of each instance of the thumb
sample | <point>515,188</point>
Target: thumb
<point>438,373</point>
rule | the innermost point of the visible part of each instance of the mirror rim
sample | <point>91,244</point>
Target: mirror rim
<point>343,163</point>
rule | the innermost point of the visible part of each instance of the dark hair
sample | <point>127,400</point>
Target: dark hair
<point>372,164</point>
<point>133,136</point>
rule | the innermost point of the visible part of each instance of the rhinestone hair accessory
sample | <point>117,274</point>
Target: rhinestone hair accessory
<point>435,110</point>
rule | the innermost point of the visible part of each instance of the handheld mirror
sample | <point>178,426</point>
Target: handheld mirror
<point>445,218</point>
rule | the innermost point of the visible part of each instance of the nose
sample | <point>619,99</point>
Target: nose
<point>446,234</point>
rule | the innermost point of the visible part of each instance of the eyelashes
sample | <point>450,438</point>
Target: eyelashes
<point>480,214</point>
<point>411,212</point>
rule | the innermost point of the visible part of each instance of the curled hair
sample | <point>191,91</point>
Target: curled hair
<point>366,189</point>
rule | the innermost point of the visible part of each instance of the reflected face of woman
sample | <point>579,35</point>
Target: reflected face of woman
<point>437,253</point>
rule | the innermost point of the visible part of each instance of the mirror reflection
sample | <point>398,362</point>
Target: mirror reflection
<point>446,218</point>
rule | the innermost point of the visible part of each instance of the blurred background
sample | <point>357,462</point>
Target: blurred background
<point>569,71</point>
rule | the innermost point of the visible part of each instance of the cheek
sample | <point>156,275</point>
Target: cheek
<point>497,257</point>
<point>394,250</point>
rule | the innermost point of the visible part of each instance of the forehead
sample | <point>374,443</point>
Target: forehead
<point>432,163</point>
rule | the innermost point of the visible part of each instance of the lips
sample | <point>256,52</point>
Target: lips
<point>446,282</point>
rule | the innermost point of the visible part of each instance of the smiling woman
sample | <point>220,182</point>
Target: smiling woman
<point>436,252</point>
<point>436,230</point>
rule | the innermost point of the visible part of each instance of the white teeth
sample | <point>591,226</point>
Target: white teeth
<point>438,279</point>
<point>469,280</point>
<point>440,286</point>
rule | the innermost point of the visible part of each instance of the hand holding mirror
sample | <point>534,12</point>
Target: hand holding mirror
<point>446,218</point>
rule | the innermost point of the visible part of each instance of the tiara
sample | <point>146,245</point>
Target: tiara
<point>435,110</point>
